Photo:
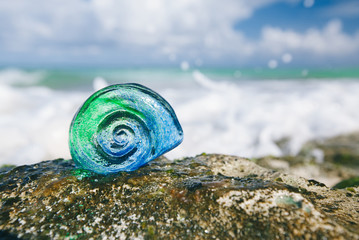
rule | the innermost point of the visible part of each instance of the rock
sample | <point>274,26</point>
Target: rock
<point>351,182</point>
<point>329,160</point>
<point>6,167</point>
<point>342,150</point>
<point>205,197</point>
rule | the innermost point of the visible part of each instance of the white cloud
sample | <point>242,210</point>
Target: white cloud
<point>343,9</point>
<point>173,25</point>
<point>329,41</point>
<point>169,27</point>
<point>28,25</point>
<point>157,29</point>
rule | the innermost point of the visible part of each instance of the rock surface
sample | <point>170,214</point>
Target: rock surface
<point>205,197</point>
<point>329,160</point>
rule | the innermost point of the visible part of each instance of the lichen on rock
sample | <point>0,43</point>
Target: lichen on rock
<point>203,197</point>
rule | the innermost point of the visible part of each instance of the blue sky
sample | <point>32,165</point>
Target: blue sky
<point>204,33</point>
<point>299,18</point>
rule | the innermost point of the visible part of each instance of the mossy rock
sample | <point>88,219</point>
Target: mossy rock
<point>351,182</point>
<point>205,197</point>
<point>6,167</point>
<point>328,160</point>
<point>341,150</point>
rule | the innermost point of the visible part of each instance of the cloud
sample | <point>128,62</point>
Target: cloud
<point>120,20</point>
<point>330,41</point>
<point>343,9</point>
<point>27,25</point>
<point>154,31</point>
<point>143,30</point>
<point>174,27</point>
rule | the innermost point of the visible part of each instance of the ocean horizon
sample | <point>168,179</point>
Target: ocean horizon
<point>62,77</point>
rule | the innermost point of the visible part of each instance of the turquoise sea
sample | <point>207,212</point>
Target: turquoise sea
<point>82,78</point>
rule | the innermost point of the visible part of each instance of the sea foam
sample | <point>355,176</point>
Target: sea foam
<point>247,118</point>
<point>244,118</point>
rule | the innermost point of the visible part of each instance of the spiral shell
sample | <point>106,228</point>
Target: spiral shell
<point>121,128</point>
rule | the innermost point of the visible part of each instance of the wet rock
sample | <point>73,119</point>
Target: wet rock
<point>329,160</point>
<point>205,197</point>
<point>341,150</point>
<point>6,167</point>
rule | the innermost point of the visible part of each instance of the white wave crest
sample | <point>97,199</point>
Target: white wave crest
<point>17,76</point>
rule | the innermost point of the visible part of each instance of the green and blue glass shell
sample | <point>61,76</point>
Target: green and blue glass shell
<point>121,128</point>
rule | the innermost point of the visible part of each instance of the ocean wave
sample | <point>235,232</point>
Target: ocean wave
<point>14,76</point>
<point>245,118</point>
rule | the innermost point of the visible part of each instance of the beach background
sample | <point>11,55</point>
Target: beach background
<point>241,76</point>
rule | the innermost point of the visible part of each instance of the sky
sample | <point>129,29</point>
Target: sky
<point>203,33</point>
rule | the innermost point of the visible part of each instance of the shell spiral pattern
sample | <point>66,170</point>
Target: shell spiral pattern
<point>121,128</point>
